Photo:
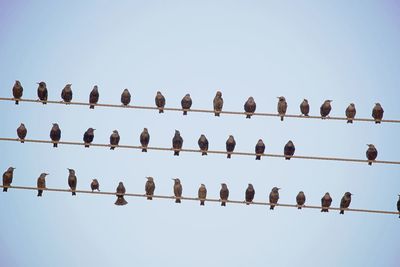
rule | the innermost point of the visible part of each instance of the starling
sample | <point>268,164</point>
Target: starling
<point>325,109</point>
<point>94,185</point>
<point>260,148</point>
<point>300,199</point>
<point>55,134</point>
<point>186,103</point>
<point>72,181</point>
<point>114,139</point>
<point>345,202</point>
<point>224,194</point>
<point>202,194</point>
<point>282,107</point>
<point>177,142</point>
<point>17,91</point>
<point>203,144</point>
<point>88,137</point>
<point>326,202</point>
<point>94,97</point>
<point>289,149</point>
<point>371,153</point>
<point>304,107</point>
<point>177,190</point>
<point>160,102</point>
<point>230,146</point>
<point>66,93</point>
<point>249,195</point>
<point>7,178</point>
<point>144,139</point>
<point>42,92</point>
<point>398,205</point>
<point>125,97</point>
<point>250,107</point>
<point>41,183</point>
<point>150,187</point>
<point>350,113</point>
<point>21,132</point>
<point>273,197</point>
<point>377,113</point>
<point>120,195</point>
<point>218,103</point>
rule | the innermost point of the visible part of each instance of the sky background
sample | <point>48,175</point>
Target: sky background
<point>347,51</point>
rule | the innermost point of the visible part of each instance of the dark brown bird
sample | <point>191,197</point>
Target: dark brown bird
<point>72,181</point>
<point>398,205</point>
<point>273,197</point>
<point>202,194</point>
<point>325,109</point>
<point>144,139</point>
<point>260,149</point>
<point>7,178</point>
<point>114,139</point>
<point>249,195</point>
<point>289,150</point>
<point>55,134</point>
<point>218,103</point>
<point>88,136</point>
<point>305,107</point>
<point>66,93</point>
<point>203,144</point>
<point>300,199</point>
<point>350,113</point>
<point>250,107</point>
<point>177,142</point>
<point>21,132</point>
<point>224,194</point>
<point>345,202</point>
<point>150,187</point>
<point>230,146</point>
<point>160,102</point>
<point>371,153</point>
<point>41,183</point>
<point>326,202</point>
<point>120,192</point>
<point>177,190</point>
<point>282,107</point>
<point>42,92</point>
<point>377,113</point>
<point>94,185</point>
<point>186,103</point>
<point>125,97</point>
<point>17,91</point>
<point>94,97</point>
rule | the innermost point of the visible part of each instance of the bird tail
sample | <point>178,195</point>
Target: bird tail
<point>228,156</point>
<point>91,107</point>
<point>177,200</point>
<point>144,150</point>
<point>248,116</point>
<point>272,207</point>
<point>150,198</point>
<point>341,211</point>
<point>22,141</point>
<point>258,157</point>
<point>299,207</point>
<point>204,153</point>
<point>55,145</point>
<point>184,112</point>
<point>86,145</point>
<point>281,118</point>
<point>120,201</point>
<point>5,189</point>
<point>216,114</point>
<point>223,203</point>
<point>370,163</point>
<point>73,193</point>
<point>176,153</point>
<point>40,192</point>
<point>160,110</point>
<point>247,203</point>
<point>377,122</point>
<point>44,103</point>
<point>349,121</point>
<point>201,202</point>
<point>287,158</point>
<point>112,148</point>
<point>16,102</point>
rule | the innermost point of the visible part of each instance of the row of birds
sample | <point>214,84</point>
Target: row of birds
<point>177,142</point>
<point>186,103</point>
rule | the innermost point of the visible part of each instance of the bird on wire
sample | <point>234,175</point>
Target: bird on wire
<point>114,139</point>
<point>144,139</point>
<point>125,97</point>
<point>41,183</point>
<point>300,199</point>
<point>250,107</point>
<point>8,178</point>
<point>17,91</point>
<point>186,103</point>
<point>21,132</point>
<point>94,185</point>
<point>72,180</point>
<point>325,109</point>
<point>202,194</point>
<point>249,194</point>
<point>304,107</point>
<point>371,153</point>
<point>289,150</point>
<point>218,103</point>
<point>224,194</point>
<point>282,107</point>
<point>149,187</point>
<point>273,197</point>
<point>120,192</point>
<point>177,142</point>
<point>94,97</point>
<point>42,92</point>
<point>203,144</point>
<point>377,113</point>
<point>66,93</point>
<point>160,102</point>
<point>326,202</point>
<point>55,134</point>
<point>177,190</point>
<point>350,113</point>
<point>345,202</point>
<point>230,146</point>
<point>88,137</point>
<point>259,149</point>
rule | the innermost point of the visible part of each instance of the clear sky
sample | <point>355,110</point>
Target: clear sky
<point>347,51</point>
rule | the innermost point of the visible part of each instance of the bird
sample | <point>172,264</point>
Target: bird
<point>88,136</point>
<point>55,134</point>
<point>345,202</point>
<point>203,144</point>
<point>218,103</point>
<point>305,107</point>
<point>350,112</point>
<point>230,146</point>
<point>325,108</point>
<point>202,194</point>
<point>72,180</point>
<point>94,185</point>
<point>177,190</point>
<point>250,107</point>
<point>120,192</point>
<point>224,194</point>
<point>41,183</point>
<point>160,102</point>
<point>94,97</point>
<point>289,150</point>
<point>300,199</point>
<point>186,103</point>
<point>273,197</point>
<point>398,205</point>
<point>260,148</point>
<point>326,202</point>
<point>249,195</point>
<point>377,113</point>
<point>7,178</point>
<point>66,93</point>
<point>125,97</point>
<point>144,139</point>
<point>17,91</point>
<point>42,92</point>
<point>21,132</point>
<point>177,142</point>
<point>282,107</point>
<point>371,153</point>
<point>114,139</point>
<point>150,187</point>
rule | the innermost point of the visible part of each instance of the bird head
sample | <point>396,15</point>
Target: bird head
<point>203,185</point>
<point>22,125</point>
<point>11,169</point>
<point>250,186</point>
<point>275,189</point>
<point>17,83</point>
<point>115,131</point>
<point>177,132</point>
<point>224,186</point>
<point>158,93</point>
<point>370,145</point>
<point>95,88</point>
<point>71,171</point>
<point>352,105</point>
<point>187,95</point>
<point>126,90</point>
<point>281,98</point>
<point>301,192</point>
<point>149,178</point>
<point>305,100</point>
<point>145,130</point>
<point>55,125</point>
<point>219,94</point>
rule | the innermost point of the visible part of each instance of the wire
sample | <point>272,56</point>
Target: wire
<point>196,110</point>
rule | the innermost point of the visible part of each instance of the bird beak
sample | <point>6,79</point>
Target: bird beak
<point>279,188</point>
<point>37,83</point>
<point>13,168</point>
<point>68,169</point>
<point>47,173</point>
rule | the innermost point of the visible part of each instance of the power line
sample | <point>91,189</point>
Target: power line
<point>208,151</point>
<point>263,114</point>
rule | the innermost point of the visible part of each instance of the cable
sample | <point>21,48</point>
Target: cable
<point>196,110</point>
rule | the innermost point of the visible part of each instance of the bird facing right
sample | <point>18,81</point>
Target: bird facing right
<point>94,97</point>
<point>41,183</point>
<point>8,177</point>
<point>88,137</point>
<point>345,202</point>
<point>72,181</point>
<point>177,190</point>
<point>273,197</point>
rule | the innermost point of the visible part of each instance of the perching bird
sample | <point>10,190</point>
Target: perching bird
<point>8,177</point>
<point>177,190</point>
<point>120,195</point>
<point>144,139</point>
<point>300,199</point>
<point>260,148</point>
<point>218,103</point>
<point>230,146</point>
<point>371,153</point>
<point>114,139</point>
<point>88,136</point>
<point>186,103</point>
<point>224,194</point>
<point>160,102</point>
<point>66,93</point>
<point>326,202</point>
<point>250,107</point>
<point>41,183</point>
<point>55,134</point>
<point>289,150</point>
<point>21,132</point>
<point>150,187</point>
<point>203,144</point>
<point>202,194</point>
<point>377,113</point>
<point>398,205</point>
<point>325,108</point>
<point>249,195</point>
<point>94,185</point>
<point>94,97</point>
<point>350,113</point>
<point>345,202</point>
<point>305,107</point>
<point>72,180</point>
<point>17,91</point>
<point>125,97</point>
<point>42,92</point>
<point>177,142</point>
<point>273,197</point>
<point>282,107</point>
